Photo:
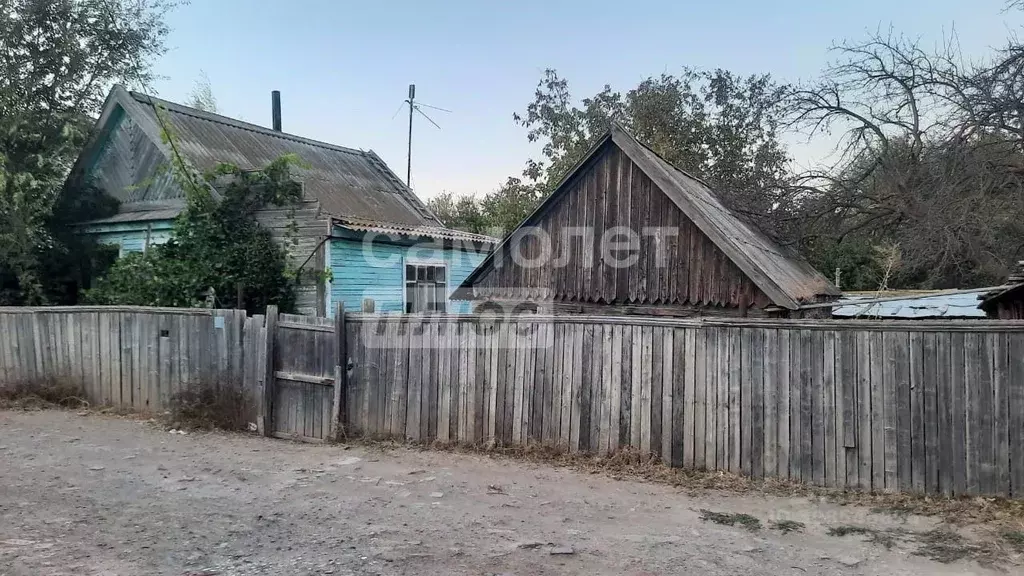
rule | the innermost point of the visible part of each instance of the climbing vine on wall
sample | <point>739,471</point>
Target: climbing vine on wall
<point>217,243</point>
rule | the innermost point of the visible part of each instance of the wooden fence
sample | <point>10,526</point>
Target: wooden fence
<point>128,357</point>
<point>897,406</point>
<point>934,407</point>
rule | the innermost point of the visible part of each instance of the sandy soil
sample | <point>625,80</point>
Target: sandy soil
<point>102,495</point>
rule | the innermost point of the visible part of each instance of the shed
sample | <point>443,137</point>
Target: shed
<point>1007,301</point>
<point>625,232</point>
<point>357,219</point>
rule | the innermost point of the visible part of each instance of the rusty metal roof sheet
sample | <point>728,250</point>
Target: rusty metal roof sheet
<point>915,306</point>
<point>346,182</point>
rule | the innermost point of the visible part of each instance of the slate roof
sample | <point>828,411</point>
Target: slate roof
<point>783,275</point>
<point>390,229</point>
<point>345,181</point>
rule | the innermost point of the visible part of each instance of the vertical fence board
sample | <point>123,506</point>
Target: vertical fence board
<point>917,448</point>
<point>586,379</point>
<point>666,417</point>
<point>833,444</point>
<point>609,398</point>
<point>636,384</point>
<point>998,343</point>
<point>689,383</point>
<point>770,366</point>
<point>929,408</point>
<point>901,390</point>
<point>890,351</point>
<point>735,407</point>
<point>800,410</point>
<point>613,380</point>
<point>944,414</point>
<point>624,354</point>
<point>878,409</point>
<point>598,405</point>
<point>817,392</point>
<point>646,388</point>
<point>700,398</point>
<point>1015,396</point>
<point>755,437</point>
<point>575,386</point>
<point>784,380</point>
<point>864,398</point>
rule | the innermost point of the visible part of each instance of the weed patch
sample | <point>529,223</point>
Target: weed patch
<point>787,526</point>
<point>205,404</point>
<point>1015,538</point>
<point>745,520</point>
<point>884,538</point>
<point>42,393</point>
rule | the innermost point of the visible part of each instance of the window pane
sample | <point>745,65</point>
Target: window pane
<point>439,298</point>
<point>421,273</point>
<point>410,272</point>
<point>430,274</point>
<point>410,298</point>
<point>439,275</point>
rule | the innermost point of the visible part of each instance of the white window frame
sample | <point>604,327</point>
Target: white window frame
<point>421,262</point>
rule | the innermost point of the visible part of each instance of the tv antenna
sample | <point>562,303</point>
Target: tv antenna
<point>415,106</point>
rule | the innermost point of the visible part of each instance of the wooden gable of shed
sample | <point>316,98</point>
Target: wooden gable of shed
<point>609,190</point>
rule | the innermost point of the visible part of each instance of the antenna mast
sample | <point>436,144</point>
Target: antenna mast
<point>414,107</point>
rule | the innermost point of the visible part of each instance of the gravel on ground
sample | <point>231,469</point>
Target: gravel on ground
<point>87,494</point>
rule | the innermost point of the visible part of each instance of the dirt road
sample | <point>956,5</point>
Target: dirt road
<point>101,495</point>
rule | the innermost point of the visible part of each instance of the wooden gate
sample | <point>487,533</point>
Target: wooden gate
<point>306,391</point>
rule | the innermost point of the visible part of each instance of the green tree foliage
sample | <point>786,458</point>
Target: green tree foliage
<point>495,214</point>
<point>58,58</point>
<point>217,243</point>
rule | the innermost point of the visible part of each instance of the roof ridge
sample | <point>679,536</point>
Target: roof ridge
<point>150,100</point>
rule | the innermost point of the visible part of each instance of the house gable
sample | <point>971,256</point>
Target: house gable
<point>610,192</point>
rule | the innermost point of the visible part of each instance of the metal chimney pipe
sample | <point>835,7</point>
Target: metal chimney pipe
<point>275,105</point>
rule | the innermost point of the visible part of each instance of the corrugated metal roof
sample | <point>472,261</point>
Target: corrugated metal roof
<point>781,273</point>
<point>421,231</point>
<point>940,306</point>
<point>345,181</point>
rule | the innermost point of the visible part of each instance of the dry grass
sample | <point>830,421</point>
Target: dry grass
<point>205,404</point>
<point>42,393</point>
<point>1014,539</point>
<point>885,538</point>
<point>746,520</point>
<point>787,526</point>
<point>634,465</point>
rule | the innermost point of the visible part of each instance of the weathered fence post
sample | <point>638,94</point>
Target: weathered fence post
<point>369,306</point>
<point>269,382</point>
<point>337,427</point>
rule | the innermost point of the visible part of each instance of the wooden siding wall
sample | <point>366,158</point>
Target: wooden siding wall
<point>312,227</point>
<point>129,168</point>
<point>131,358</point>
<point>891,406</point>
<point>613,192</point>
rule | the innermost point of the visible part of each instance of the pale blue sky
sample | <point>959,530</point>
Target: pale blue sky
<point>344,67</point>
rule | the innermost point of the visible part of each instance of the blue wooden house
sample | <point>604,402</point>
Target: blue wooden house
<point>357,219</point>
